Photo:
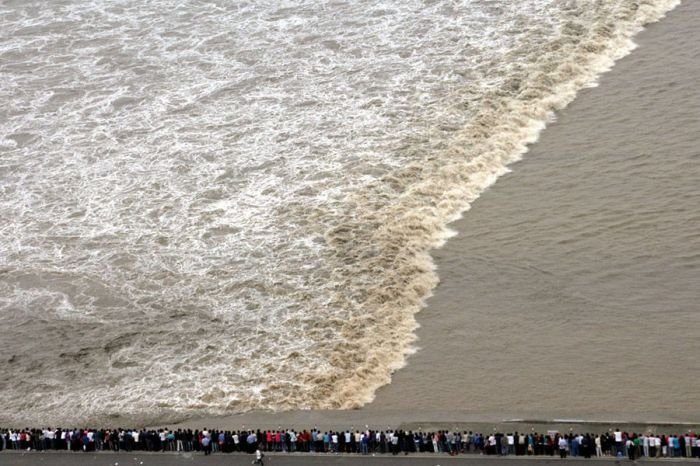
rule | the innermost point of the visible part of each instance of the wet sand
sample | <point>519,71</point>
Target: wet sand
<point>571,289</point>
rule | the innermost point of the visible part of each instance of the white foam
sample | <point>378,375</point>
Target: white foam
<point>243,208</point>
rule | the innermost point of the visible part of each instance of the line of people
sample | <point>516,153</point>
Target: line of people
<point>352,441</point>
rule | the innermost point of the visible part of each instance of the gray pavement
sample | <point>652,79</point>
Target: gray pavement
<point>168,459</point>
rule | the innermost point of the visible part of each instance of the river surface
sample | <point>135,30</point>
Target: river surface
<point>216,207</point>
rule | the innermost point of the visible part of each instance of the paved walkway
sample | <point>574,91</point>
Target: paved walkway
<point>168,459</point>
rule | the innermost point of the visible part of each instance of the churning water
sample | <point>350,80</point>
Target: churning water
<point>221,206</point>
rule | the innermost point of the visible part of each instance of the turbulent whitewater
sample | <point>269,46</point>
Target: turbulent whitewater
<point>213,207</point>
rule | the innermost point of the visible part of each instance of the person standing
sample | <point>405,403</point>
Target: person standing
<point>587,445</point>
<point>334,442</point>
<point>652,446</point>
<point>259,457</point>
<point>563,445</point>
<point>645,445</point>
<point>618,442</point>
<point>206,445</point>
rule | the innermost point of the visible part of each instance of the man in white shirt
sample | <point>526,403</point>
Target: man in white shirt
<point>511,444</point>
<point>348,437</point>
<point>618,442</point>
<point>92,436</point>
<point>259,457</point>
<point>563,445</point>
<point>394,443</point>
<point>334,442</point>
<point>49,435</point>
<point>292,440</point>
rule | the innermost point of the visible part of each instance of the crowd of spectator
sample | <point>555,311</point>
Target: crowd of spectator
<point>352,441</point>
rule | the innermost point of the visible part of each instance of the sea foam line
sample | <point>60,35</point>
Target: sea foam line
<point>397,238</point>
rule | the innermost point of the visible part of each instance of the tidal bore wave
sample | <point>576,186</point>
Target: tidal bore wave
<point>214,209</point>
